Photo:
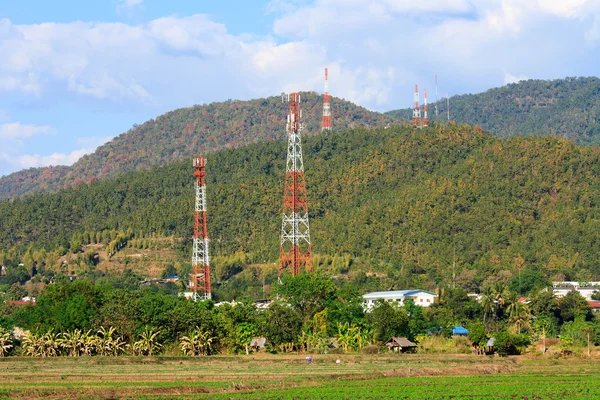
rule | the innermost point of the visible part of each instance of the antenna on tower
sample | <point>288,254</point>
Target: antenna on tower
<point>200,277</point>
<point>416,109</point>
<point>425,118</point>
<point>436,98</point>
<point>295,251</point>
<point>326,125</point>
<point>448,105</point>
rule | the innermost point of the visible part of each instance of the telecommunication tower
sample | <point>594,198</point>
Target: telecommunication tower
<point>425,118</point>
<point>448,105</point>
<point>416,109</point>
<point>295,249</point>
<point>200,279</point>
<point>326,125</point>
<point>436,98</point>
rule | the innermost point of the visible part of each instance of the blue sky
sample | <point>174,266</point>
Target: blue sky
<point>74,74</point>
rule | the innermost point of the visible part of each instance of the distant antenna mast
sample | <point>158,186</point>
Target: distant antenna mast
<point>416,109</point>
<point>436,98</point>
<point>425,118</point>
<point>448,106</point>
<point>326,125</point>
<point>200,281</point>
<point>295,251</point>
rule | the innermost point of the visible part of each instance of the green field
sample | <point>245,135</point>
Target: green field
<point>290,377</point>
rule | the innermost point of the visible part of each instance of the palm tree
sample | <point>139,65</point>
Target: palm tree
<point>6,342</point>
<point>487,303</point>
<point>518,313</point>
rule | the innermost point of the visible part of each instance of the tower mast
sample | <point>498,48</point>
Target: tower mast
<point>326,125</point>
<point>416,109</point>
<point>295,249</point>
<point>436,98</point>
<point>425,118</point>
<point>200,279</point>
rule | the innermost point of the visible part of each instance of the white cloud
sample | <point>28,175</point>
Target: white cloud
<point>509,78</point>
<point>14,138</point>
<point>376,51</point>
<point>18,131</point>
<point>54,159</point>
<point>128,5</point>
<point>592,36</point>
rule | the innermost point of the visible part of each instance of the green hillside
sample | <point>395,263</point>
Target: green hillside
<point>567,108</point>
<point>184,133</point>
<point>395,200</point>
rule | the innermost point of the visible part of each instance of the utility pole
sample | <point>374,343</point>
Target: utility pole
<point>295,251</point>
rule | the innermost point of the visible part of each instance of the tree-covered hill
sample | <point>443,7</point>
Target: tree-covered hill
<point>184,133</point>
<point>567,108</point>
<point>405,200</point>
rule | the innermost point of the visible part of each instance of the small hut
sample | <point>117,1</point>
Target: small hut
<point>489,346</point>
<point>258,343</point>
<point>400,344</point>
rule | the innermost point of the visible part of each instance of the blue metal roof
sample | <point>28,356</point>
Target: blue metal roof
<point>459,330</point>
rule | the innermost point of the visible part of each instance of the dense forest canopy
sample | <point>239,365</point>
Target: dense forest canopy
<point>410,203</point>
<point>184,133</point>
<point>568,108</point>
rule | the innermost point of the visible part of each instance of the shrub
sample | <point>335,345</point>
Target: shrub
<point>511,344</point>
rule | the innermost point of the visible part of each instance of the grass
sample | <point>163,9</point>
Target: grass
<point>289,377</point>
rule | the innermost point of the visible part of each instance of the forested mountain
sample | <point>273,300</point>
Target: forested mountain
<point>405,200</point>
<point>184,133</point>
<point>567,108</point>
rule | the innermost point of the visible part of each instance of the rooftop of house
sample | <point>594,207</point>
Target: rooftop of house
<point>397,293</point>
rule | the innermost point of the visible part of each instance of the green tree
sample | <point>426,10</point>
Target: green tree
<point>387,319</point>
<point>574,305</point>
<point>282,324</point>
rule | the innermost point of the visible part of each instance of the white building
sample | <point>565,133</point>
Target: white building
<point>420,297</point>
<point>586,289</point>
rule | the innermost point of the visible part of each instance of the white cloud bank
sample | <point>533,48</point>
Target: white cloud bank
<point>376,51</point>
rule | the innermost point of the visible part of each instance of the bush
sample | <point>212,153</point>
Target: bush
<point>508,344</point>
<point>371,349</point>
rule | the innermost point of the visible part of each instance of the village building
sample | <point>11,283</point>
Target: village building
<point>258,343</point>
<point>400,344</point>
<point>420,297</point>
<point>586,289</point>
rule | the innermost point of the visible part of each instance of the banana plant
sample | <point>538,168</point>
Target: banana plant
<point>147,345</point>
<point>75,343</point>
<point>41,345</point>
<point>107,344</point>
<point>6,342</point>
<point>198,342</point>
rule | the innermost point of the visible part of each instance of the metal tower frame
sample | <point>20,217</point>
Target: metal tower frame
<point>326,124</point>
<point>200,277</point>
<point>295,249</point>
<point>416,109</point>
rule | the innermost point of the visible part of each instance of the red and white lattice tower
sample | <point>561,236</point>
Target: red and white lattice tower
<point>416,109</point>
<point>295,249</point>
<point>425,118</point>
<point>200,278</point>
<point>326,125</point>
